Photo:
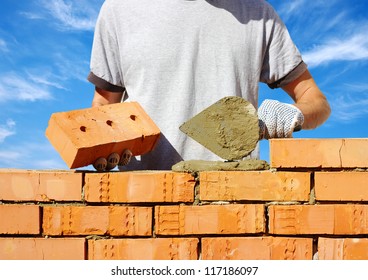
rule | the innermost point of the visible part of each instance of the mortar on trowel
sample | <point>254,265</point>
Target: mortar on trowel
<point>229,128</point>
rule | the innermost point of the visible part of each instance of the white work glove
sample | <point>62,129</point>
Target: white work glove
<point>278,120</point>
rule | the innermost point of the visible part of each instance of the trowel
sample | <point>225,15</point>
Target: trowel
<point>229,128</point>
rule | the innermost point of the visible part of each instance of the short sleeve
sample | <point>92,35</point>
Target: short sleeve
<point>105,59</point>
<point>282,60</point>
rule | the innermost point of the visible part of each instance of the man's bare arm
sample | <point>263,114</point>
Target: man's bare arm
<point>309,99</point>
<point>104,97</point>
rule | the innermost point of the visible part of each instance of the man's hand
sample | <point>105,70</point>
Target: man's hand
<point>278,120</point>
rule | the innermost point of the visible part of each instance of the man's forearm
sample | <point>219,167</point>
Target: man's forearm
<point>103,97</point>
<point>309,100</point>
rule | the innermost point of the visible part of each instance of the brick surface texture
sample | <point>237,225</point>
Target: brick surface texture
<point>82,136</point>
<point>312,204</point>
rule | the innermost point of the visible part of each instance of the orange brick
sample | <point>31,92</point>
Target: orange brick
<point>139,187</point>
<point>19,219</point>
<point>315,153</point>
<point>255,185</point>
<point>82,136</point>
<point>143,249</point>
<point>340,186</point>
<point>42,249</point>
<point>99,220</point>
<point>209,219</point>
<point>27,185</point>
<point>341,219</point>
<point>342,248</point>
<point>257,248</point>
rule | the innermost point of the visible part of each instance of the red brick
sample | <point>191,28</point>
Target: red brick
<point>255,185</point>
<point>19,219</point>
<point>139,187</point>
<point>315,153</point>
<point>341,186</point>
<point>209,219</point>
<point>97,220</point>
<point>82,136</point>
<point>257,248</point>
<point>143,249</point>
<point>42,249</point>
<point>342,248</point>
<point>341,219</point>
<point>28,185</point>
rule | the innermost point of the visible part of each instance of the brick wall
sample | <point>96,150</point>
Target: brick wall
<point>312,203</point>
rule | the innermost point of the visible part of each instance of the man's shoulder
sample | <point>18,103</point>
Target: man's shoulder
<point>255,6</point>
<point>120,3</point>
<point>256,3</point>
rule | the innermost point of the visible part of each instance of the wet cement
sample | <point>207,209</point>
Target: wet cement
<point>191,166</point>
<point>229,128</point>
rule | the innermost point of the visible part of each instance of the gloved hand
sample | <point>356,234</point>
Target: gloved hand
<point>278,120</point>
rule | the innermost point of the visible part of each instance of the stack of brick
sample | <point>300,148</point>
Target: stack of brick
<point>311,204</point>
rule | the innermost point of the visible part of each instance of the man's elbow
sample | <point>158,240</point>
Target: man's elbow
<point>326,109</point>
<point>319,115</point>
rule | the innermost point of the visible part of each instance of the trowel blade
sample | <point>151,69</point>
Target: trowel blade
<point>229,128</point>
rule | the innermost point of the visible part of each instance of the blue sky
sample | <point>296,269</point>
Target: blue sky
<point>44,60</point>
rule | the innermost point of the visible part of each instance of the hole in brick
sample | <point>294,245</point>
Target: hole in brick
<point>133,117</point>
<point>83,128</point>
<point>109,122</point>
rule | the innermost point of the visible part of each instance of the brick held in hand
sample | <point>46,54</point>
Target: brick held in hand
<point>82,136</point>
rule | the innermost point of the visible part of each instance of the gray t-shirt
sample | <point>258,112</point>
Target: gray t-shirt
<point>177,57</point>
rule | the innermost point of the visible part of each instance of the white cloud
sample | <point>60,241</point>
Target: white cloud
<point>33,155</point>
<point>32,15</point>
<point>77,15</point>
<point>7,130</point>
<point>303,8</point>
<point>9,158</point>
<point>47,164</point>
<point>15,87</point>
<point>350,105</point>
<point>358,87</point>
<point>10,123</point>
<point>3,46</point>
<point>289,8</point>
<point>70,66</point>
<point>346,111</point>
<point>350,49</point>
<point>44,79</point>
<point>333,29</point>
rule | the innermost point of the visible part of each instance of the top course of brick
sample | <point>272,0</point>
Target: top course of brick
<point>319,153</point>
